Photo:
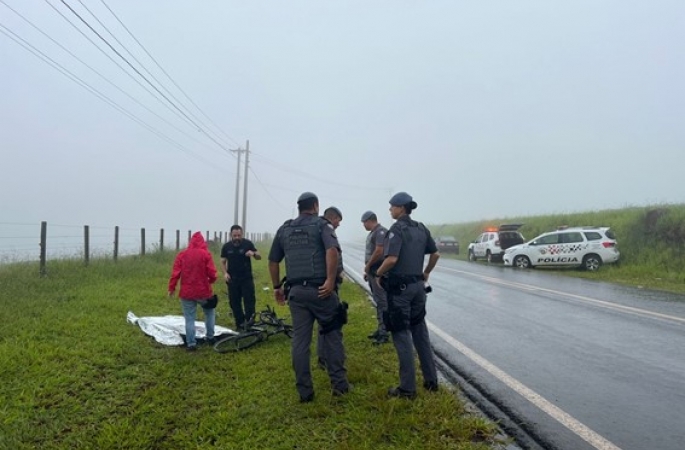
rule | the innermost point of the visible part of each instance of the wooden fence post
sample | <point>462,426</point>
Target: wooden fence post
<point>207,236</point>
<point>178,240</point>
<point>161,239</point>
<point>86,244</point>
<point>116,242</point>
<point>43,239</point>
<point>189,235</point>
<point>142,242</point>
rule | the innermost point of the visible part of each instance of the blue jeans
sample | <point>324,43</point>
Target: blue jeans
<point>189,311</point>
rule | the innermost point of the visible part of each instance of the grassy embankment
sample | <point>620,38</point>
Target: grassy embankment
<point>75,374</point>
<point>651,240</point>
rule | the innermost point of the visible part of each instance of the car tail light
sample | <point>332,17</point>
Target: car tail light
<point>608,244</point>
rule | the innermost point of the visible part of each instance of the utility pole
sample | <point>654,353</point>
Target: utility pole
<point>239,151</point>
<point>247,165</point>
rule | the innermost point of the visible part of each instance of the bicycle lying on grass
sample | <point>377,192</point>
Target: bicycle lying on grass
<point>268,325</point>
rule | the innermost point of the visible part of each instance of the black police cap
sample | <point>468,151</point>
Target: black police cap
<point>306,196</point>
<point>403,199</point>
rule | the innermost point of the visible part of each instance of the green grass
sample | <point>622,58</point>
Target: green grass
<point>75,374</point>
<point>651,240</point>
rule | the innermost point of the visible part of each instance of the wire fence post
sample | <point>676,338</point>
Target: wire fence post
<point>43,239</point>
<point>207,236</point>
<point>189,237</point>
<point>142,242</point>
<point>161,239</point>
<point>116,242</point>
<point>178,240</point>
<point>86,244</point>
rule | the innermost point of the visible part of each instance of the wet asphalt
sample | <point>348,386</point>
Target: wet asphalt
<point>564,363</point>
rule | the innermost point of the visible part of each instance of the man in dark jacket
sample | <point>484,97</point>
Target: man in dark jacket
<point>195,268</point>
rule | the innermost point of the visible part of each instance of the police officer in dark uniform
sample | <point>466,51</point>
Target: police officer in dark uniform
<point>310,248</point>
<point>402,275</point>
<point>333,216</point>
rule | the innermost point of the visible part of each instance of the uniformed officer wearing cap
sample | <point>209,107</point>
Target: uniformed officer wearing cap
<point>310,248</point>
<point>403,277</point>
<point>373,257</point>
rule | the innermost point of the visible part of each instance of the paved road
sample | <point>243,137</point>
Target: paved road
<point>577,364</point>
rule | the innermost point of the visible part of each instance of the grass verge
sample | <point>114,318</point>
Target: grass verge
<point>75,374</point>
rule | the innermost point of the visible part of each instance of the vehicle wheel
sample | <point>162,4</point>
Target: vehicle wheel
<point>488,256</point>
<point>522,262</point>
<point>472,256</point>
<point>239,342</point>
<point>592,262</point>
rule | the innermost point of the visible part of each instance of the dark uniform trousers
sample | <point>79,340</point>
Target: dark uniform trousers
<point>412,301</point>
<point>381,300</point>
<point>241,290</point>
<point>305,308</point>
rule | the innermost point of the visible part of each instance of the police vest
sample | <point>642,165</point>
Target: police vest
<point>414,238</point>
<point>305,255</point>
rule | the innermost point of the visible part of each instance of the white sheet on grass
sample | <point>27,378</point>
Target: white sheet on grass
<point>169,330</point>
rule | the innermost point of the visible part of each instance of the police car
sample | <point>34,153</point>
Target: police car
<point>585,247</point>
<point>494,241</point>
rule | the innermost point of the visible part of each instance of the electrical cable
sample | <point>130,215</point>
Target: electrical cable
<point>198,127</point>
<point>328,181</point>
<point>30,48</point>
<point>193,138</point>
<point>143,66</point>
<point>167,75</point>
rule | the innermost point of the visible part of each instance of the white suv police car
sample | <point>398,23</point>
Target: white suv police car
<point>585,247</point>
<point>494,241</point>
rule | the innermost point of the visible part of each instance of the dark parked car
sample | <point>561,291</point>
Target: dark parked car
<point>447,244</point>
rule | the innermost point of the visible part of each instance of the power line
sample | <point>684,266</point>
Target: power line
<point>167,75</point>
<point>304,174</point>
<point>104,77</point>
<point>143,66</point>
<point>112,59</point>
<point>199,128</point>
<point>30,48</point>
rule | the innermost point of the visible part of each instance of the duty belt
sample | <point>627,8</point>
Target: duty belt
<point>312,283</point>
<point>406,279</point>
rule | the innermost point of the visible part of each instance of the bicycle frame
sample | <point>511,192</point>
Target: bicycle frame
<point>268,325</point>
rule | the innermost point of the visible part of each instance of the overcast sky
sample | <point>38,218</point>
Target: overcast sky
<point>478,109</point>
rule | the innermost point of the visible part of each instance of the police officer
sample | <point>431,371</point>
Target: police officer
<point>402,275</point>
<point>372,258</point>
<point>334,217</point>
<point>310,248</point>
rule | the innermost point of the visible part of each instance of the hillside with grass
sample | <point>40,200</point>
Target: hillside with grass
<point>651,240</point>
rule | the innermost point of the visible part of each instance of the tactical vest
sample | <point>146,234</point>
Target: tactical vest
<point>414,237</point>
<point>305,255</point>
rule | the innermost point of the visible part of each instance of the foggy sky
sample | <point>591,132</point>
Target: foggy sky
<point>477,109</point>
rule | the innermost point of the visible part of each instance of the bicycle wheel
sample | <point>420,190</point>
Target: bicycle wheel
<point>239,342</point>
<point>288,330</point>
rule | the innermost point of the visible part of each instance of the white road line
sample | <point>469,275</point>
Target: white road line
<point>565,419</point>
<point>594,301</point>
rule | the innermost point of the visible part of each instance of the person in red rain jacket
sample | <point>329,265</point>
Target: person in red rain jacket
<point>195,268</point>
